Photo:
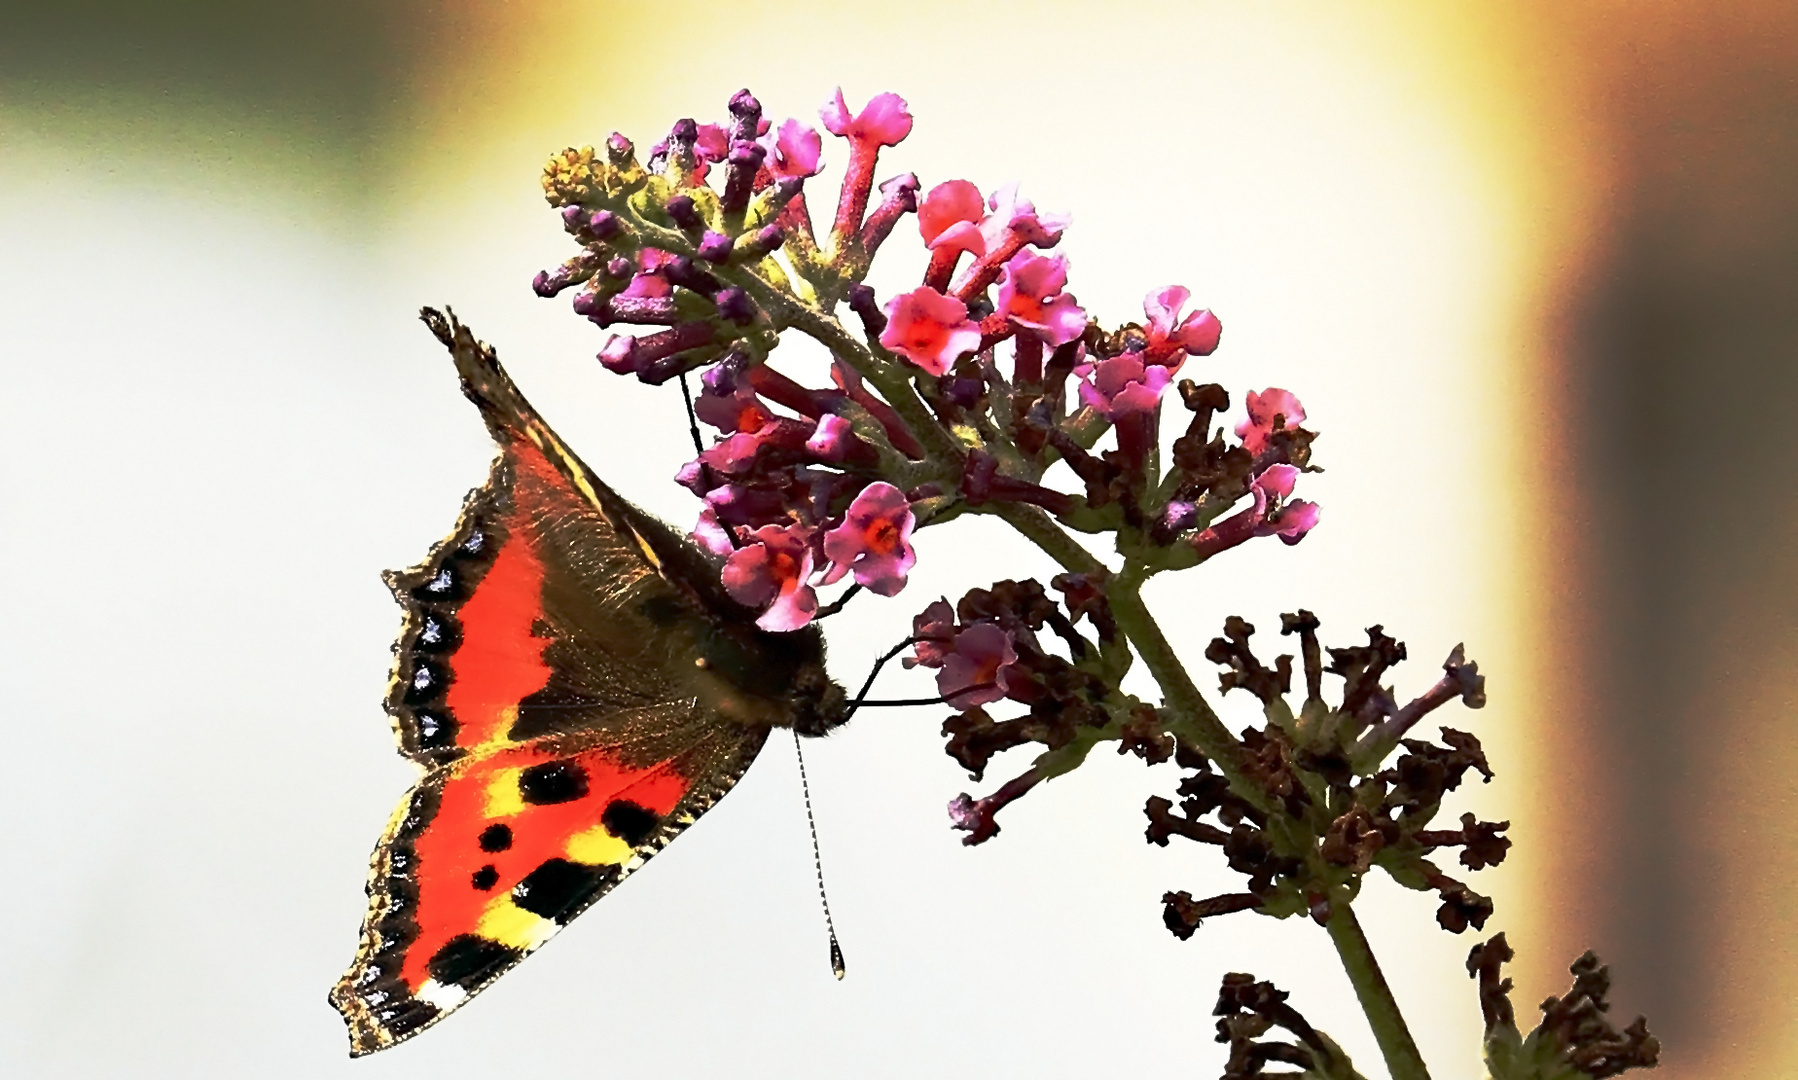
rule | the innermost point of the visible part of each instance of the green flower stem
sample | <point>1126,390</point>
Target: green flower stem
<point>1396,1045</point>
<point>893,385</point>
<point>1195,721</point>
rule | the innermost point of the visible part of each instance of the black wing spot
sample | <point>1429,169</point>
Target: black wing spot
<point>559,888</point>
<point>629,821</point>
<point>496,838</point>
<point>486,877</point>
<point>552,782</point>
<point>404,1017</point>
<point>469,960</point>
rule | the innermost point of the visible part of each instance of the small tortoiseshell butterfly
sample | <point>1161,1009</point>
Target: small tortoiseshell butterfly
<point>578,688</point>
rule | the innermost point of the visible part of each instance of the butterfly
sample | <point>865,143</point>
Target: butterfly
<point>578,688</point>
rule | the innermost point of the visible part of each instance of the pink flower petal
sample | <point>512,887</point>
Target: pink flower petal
<point>884,121</point>
<point>794,151</point>
<point>874,540</point>
<point>929,329</point>
<point>979,659</point>
<point>953,202</point>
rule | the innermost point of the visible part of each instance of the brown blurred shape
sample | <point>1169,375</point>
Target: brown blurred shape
<point>1684,496</point>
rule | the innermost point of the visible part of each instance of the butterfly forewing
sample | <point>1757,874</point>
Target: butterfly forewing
<point>551,679</point>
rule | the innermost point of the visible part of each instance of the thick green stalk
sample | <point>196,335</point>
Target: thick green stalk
<point>1195,719</point>
<point>1389,1030</point>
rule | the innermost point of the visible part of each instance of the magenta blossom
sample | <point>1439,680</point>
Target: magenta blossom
<point>1122,385</point>
<point>771,569</point>
<point>884,121</point>
<point>1170,336</point>
<point>1294,520</point>
<point>730,405</point>
<point>1264,409</point>
<point>950,216</point>
<point>980,658</point>
<point>929,329</point>
<point>794,151</point>
<point>1013,216</point>
<point>874,540</point>
<point>934,632</point>
<point>651,279</point>
<point>1030,295</point>
<point>710,533</point>
<point>1290,521</point>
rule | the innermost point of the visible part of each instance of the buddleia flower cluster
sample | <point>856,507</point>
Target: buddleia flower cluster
<point>956,397</point>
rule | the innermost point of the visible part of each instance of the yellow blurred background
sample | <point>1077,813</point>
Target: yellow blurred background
<point>1523,263</point>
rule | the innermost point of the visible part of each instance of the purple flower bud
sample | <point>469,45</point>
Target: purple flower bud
<point>573,217</point>
<point>619,268</point>
<point>685,214</point>
<point>715,247</point>
<point>763,243</point>
<point>619,150</point>
<point>746,110</point>
<point>603,224</point>
<point>734,304</point>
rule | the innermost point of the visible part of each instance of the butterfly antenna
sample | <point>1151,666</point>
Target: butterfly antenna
<point>692,418</point>
<point>838,604</point>
<point>837,967</point>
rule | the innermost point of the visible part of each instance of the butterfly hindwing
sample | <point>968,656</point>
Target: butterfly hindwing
<point>577,690</point>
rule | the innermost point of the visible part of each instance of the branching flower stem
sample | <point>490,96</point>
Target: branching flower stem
<point>1199,724</point>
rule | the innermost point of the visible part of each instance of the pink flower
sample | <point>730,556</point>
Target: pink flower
<point>1030,294</point>
<point>874,540</point>
<point>981,654</point>
<point>713,144</point>
<point>650,279</point>
<point>1264,409</point>
<point>950,216</point>
<point>710,535</point>
<point>929,329</point>
<point>771,569</point>
<point>730,405</point>
<point>794,151</point>
<point>1290,521</point>
<point>1122,385</point>
<point>1294,520</point>
<point>934,629</point>
<point>1170,336</point>
<point>1012,215</point>
<point>1275,481</point>
<point>884,121</point>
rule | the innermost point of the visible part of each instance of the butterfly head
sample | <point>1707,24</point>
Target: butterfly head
<point>819,704</point>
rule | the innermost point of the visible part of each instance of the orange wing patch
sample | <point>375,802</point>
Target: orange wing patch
<point>500,660</point>
<point>521,843</point>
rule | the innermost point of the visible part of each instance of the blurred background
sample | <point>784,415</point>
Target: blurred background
<point>1532,268</point>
